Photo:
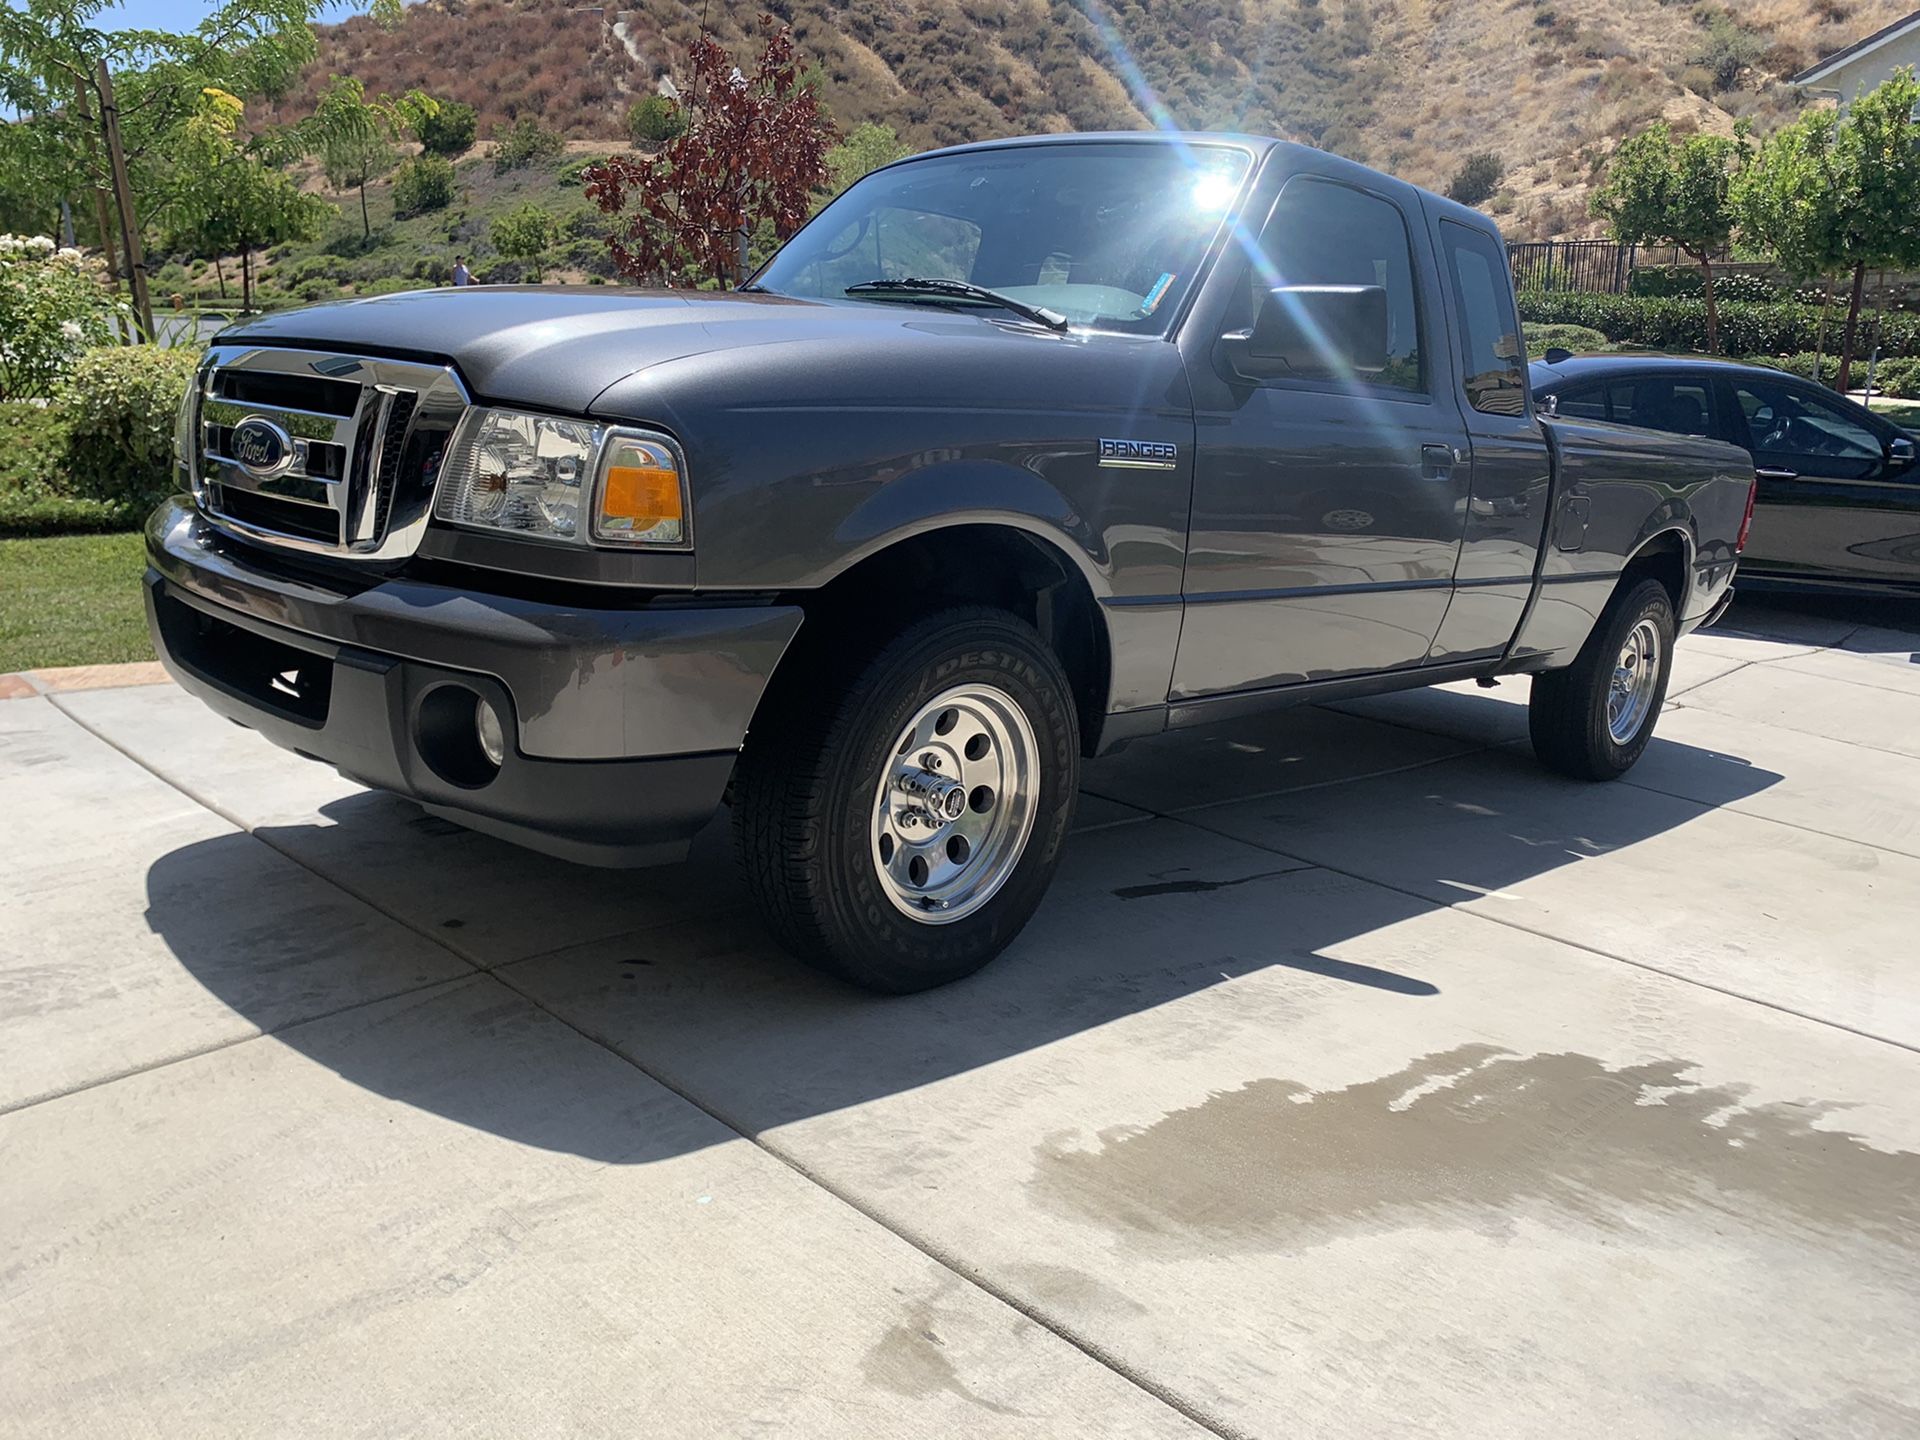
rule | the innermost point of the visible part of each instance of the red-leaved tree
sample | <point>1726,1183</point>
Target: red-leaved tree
<point>754,149</point>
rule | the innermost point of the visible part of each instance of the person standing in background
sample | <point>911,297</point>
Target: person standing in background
<point>461,275</point>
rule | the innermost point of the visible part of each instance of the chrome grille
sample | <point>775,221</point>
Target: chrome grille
<point>327,453</point>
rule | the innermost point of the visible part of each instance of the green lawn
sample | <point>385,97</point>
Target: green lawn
<point>72,600</point>
<point>1904,413</point>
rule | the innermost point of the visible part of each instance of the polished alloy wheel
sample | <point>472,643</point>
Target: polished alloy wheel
<point>1636,675</point>
<point>954,808</point>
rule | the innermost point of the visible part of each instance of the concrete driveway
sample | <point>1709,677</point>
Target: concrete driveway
<point>1358,1078</point>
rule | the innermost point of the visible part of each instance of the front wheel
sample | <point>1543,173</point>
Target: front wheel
<point>898,819</point>
<point>1593,719</point>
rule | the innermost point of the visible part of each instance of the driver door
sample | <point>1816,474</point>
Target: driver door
<point>1833,501</point>
<point>1327,513</point>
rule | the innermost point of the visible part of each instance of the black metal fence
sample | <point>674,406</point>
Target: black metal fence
<point>1592,265</point>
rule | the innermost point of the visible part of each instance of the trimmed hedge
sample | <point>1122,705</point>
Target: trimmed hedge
<point>1685,281</point>
<point>1542,338</point>
<point>1659,323</point>
<point>119,404</point>
<point>1823,369</point>
<point>1896,378</point>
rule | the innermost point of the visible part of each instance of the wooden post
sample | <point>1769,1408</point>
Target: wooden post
<point>100,219</point>
<point>123,198</point>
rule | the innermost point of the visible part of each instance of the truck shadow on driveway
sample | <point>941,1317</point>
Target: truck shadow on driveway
<point>668,969</point>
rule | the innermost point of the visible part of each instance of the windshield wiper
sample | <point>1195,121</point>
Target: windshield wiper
<point>962,290</point>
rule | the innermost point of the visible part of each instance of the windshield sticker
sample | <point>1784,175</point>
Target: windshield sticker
<point>1157,293</point>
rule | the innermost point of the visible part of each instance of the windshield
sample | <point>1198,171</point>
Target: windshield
<point>1107,234</point>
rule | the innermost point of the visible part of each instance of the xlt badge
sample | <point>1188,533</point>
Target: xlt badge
<point>1139,454</point>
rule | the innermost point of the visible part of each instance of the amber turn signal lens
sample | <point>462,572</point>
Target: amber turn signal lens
<point>641,501</point>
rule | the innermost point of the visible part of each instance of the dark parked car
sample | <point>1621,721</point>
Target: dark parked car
<point>1016,452</point>
<point>1839,500</point>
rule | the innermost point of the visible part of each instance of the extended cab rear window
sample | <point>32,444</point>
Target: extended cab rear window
<point>1492,359</point>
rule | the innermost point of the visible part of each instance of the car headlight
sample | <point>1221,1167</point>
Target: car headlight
<point>186,438</point>
<point>551,478</point>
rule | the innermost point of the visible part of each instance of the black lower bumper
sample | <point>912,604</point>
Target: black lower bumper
<point>405,722</point>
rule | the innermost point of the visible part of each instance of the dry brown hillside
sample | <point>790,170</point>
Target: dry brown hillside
<point>1409,85</point>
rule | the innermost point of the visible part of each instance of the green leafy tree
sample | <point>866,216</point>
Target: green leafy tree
<point>239,201</point>
<point>448,130</point>
<point>1660,190</point>
<point>353,136</point>
<point>51,54</point>
<point>653,121</point>
<point>525,233</point>
<point>1839,194</point>
<point>866,148</point>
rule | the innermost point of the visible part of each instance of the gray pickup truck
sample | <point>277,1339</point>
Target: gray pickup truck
<point>1017,452</point>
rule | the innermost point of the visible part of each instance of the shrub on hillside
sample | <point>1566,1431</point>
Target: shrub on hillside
<point>1478,177</point>
<point>1725,50</point>
<point>118,404</point>
<point>1670,323</point>
<point>523,143</point>
<point>449,130</point>
<point>654,121</point>
<point>424,183</point>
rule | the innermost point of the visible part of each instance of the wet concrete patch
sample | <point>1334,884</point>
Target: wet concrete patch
<point>1470,1138</point>
<point>914,1359</point>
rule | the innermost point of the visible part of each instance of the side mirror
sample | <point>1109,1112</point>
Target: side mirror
<point>1316,331</point>
<point>1900,450</point>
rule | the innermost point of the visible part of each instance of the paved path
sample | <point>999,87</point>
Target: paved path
<point>1358,1078</point>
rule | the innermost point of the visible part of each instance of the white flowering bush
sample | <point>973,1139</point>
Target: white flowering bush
<point>52,306</point>
<point>118,404</point>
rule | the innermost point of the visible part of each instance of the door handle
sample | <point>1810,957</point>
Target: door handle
<point>1768,473</point>
<point>1437,461</point>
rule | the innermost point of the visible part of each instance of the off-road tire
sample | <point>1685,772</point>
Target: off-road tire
<point>804,790</point>
<point>1568,714</point>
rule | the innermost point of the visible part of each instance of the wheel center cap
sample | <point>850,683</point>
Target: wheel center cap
<point>941,796</point>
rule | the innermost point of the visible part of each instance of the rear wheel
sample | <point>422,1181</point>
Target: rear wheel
<point>1593,719</point>
<point>899,817</point>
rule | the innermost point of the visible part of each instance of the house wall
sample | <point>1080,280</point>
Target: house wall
<point>1862,73</point>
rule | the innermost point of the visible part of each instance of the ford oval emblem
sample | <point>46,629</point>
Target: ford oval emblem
<point>260,447</point>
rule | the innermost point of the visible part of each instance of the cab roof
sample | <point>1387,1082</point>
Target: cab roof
<point>1260,147</point>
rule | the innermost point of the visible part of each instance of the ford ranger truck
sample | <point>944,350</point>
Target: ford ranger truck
<point>1018,451</point>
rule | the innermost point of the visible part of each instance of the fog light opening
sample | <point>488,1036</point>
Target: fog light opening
<point>491,733</point>
<point>461,736</point>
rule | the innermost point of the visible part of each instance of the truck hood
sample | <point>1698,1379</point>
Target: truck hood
<point>561,347</point>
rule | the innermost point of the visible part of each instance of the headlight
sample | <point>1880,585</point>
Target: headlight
<point>186,438</point>
<point>552,478</point>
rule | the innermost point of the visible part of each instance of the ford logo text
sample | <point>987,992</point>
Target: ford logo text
<point>261,448</point>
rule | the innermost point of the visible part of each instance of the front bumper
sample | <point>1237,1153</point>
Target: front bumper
<point>621,725</point>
